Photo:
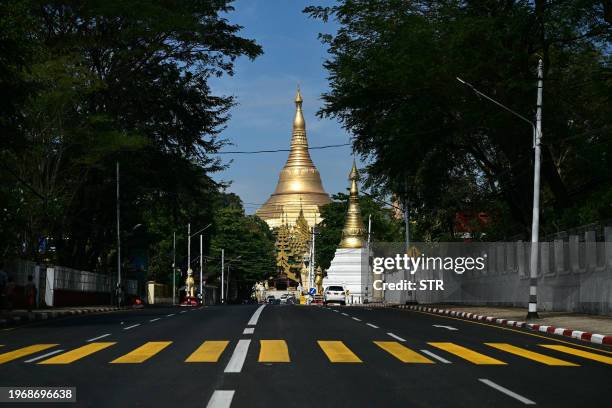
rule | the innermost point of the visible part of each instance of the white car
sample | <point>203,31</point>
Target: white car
<point>334,294</point>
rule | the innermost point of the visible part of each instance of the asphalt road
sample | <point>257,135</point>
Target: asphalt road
<point>300,356</point>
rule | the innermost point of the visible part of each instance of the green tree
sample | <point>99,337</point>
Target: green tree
<point>248,244</point>
<point>392,70</point>
<point>93,83</point>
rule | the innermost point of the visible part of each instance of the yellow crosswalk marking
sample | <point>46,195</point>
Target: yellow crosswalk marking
<point>402,353</point>
<point>337,352</point>
<point>208,352</point>
<point>142,353</point>
<point>580,353</point>
<point>467,354</point>
<point>77,354</point>
<point>22,352</point>
<point>532,355</point>
<point>273,351</point>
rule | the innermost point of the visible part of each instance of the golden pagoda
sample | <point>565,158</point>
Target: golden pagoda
<point>299,186</point>
<point>353,232</point>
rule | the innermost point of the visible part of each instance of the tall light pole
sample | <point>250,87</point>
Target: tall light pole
<point>535,217</point>
<point>222,275</point>
<point>532,313</point>
<point>174,267</point>
<point>201,271</point>
<point>188,247</point>
<point>118,242</point>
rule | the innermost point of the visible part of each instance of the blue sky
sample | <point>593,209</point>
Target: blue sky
<point>265,89</point>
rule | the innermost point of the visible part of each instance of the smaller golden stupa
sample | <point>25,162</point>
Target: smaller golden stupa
<point>354,231</point>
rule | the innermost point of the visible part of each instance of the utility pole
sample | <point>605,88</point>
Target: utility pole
<point>222,275</point>
<point>174,267</point>
<point>369,253</point>
<point>532,312</point>
<point>201,270</point>
<point>118,242</point>
<point>406,216</point>
<point>188,247</point>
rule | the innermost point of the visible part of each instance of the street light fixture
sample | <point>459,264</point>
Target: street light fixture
<point>535,220</point>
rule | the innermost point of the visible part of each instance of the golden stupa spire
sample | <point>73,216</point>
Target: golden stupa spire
<point>299,183</point>
<point>354,231</point>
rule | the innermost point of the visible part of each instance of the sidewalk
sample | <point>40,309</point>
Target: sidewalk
<point>20,316</point>
<point>575,321</point>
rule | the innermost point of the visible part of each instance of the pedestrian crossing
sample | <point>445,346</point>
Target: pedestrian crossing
<point>272,351</point>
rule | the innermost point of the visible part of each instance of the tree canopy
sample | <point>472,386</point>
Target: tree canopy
<point>88,84</point>
<point>392,69</point>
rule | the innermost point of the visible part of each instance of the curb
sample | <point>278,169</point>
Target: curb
<point>559,331</point>
<point>53,314</point>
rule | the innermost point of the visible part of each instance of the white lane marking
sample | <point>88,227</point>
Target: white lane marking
<point>396,337</point>
<point>249,330</point>
<point>154,320</point>
<point>444,327</point>
<point>255,317</point>
<point>507,391</point>
<point>43,356</point>
<point>131,327</point>
<point>238,357</point>
<point>354,318</point>
<point>372,326</point>
<point>170,315</point>
<point>335,310</point>
<point>343,314</point>
<point>184,311</point>
<point>221,399</point>
<point>437,357</point>
<point>99,337</point>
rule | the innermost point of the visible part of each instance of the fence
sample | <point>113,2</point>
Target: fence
<point>574,275</point>
<point>62,286</point>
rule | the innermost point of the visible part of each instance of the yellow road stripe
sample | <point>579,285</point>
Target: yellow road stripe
<point>337,352</point>
<point>273,351</point>
<point>580,353</point>
<point>22,352</point>
<point>77,354</point>
<point>513,330</point>
<point>532,355</point>
<point>467,354</point>
<point>142,353</point>
<point>208,352</point>
<point>402,353</point>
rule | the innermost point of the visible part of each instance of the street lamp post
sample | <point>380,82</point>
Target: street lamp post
<point>174,268</point>
<point>535,218</point>
<point>222,275</point>
<point>118,242</point>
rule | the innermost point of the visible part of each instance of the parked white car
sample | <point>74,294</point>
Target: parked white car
<point>334,294</point>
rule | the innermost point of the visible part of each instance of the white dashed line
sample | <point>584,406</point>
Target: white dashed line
<point>170,315</point>
<point>255,317</point>
<point>507,391</point>
<point>396,337</point>
<point>184,311</point>
<point>131,327</point>
<point>43,356</point>
<point>221,399</point>
<point>249,330</point>
<point>154,320</point>
<point>236,362</point>
<point>99,337</point>
<point>343,314</point>
<point>354,318</point>
<point>372,326</point>
<point>437,357</point>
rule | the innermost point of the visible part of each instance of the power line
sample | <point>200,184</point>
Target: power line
<point>282,150</point>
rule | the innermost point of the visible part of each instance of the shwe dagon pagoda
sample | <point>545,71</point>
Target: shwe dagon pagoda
<point>293,209</point>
